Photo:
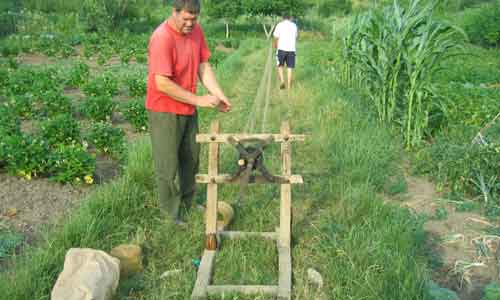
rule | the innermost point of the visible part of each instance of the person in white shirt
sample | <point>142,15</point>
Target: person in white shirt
<point>285,38</point>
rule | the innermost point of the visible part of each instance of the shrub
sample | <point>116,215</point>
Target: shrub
<point>71,164</point>
<point>62,129</point>
<point>107,139</point>
<point>483,24</point>
<point>328,8</point>
<point>99,108</point>
<point>135,113</point>
<point>9,241</point>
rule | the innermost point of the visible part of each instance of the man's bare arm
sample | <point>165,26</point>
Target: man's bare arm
<point>207,77</point>
<point>167,86</point>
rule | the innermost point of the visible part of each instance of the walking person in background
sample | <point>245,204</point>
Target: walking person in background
<point>177,57</point>
<point>285,38</point>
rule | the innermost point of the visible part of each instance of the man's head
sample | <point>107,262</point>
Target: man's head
<point>287,16</point>
<point>185,15</point>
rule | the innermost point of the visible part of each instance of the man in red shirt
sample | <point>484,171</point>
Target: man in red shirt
<point>178,57</point>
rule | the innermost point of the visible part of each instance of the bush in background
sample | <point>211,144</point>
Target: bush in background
<point>71,164</point>
<point>135,113</point>
<point>99,108</point>
<point>107,139</point>
<point>483,24</point>
<point>62,129</point>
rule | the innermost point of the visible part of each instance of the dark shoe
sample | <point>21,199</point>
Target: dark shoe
<point>282,86</point>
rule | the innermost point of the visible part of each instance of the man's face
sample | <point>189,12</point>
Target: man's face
<point>184,21</point>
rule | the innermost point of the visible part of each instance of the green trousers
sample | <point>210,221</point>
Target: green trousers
<point>175,153</point>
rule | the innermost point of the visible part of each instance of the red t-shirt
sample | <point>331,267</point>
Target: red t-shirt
<point>178,57</point>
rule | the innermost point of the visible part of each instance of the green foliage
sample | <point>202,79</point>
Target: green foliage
<point>295,8</point>
<point>136,114</point>
<point>435,292</point>
<point>9,120</point>
<point>483,24</point>
<point>9,241</point>
<point>61,129</point>
<point>104,85</point>
<point>328,8</point>
<point>381,54</point>
<point>22,105</point>
<point>8,17</point>
<point>78,74</point>
<point>467,168</point>
<point>99,108</point>
<point>26,156</point>
<point>107,139</point>
<point>492,291</point>
<point>71,164</point>
<point>136,84</point>
<point>53,103</point>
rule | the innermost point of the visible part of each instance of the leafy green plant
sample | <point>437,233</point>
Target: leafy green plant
<point>53,103</point>
<point>381,52</point>
<point>103,85</point>
<point>483,24</point>
<point>107,139</point>
<point>61,129</point>
<point>78,74</point>
<point>9,241</point>
<point>135,113</point>
<point>99,108</point>
<point>9,120</point>
<point>22,105</point>
<point>136,85</point>
<point>26,156</point>
<point>71,164</point>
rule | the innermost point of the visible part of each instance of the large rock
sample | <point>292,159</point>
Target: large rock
<point>87,275</point>
<point>226,212</point>
<point>130,257</point>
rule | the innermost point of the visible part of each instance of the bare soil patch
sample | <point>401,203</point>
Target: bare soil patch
<point>468,255</point>
<point>28,205</point>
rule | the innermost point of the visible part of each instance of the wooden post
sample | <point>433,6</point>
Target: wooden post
<point>286,190</point>
<point>213,170</point>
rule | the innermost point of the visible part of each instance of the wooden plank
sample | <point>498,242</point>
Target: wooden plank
<point>286,190</point>
<point>223,138</point>
<point>285,273</point>
<point>241,234</point>
<point>204,276</point>
<point>213,169</point>
<point>259,179</point>
<point>221,290</point>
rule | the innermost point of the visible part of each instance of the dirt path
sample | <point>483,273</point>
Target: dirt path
<point>467,257</point>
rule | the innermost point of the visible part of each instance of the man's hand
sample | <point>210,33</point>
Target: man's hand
<point>224,104</point>
<point>208,101</point>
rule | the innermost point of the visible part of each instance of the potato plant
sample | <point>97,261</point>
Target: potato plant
<point>135,113</point>
<point>107,139</point>
<point>62,129</point>
<point>99,108</point>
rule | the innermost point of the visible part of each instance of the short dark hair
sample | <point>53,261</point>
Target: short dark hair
<point>192,6</point>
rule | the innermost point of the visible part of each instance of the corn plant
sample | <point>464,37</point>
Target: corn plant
<point>395,53</point>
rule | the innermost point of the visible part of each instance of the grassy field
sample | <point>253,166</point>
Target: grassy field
<point>363,248</point>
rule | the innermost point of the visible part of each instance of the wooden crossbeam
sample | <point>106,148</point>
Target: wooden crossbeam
<point>204,276</point>
<point>242,234</point>
<point>259,179</point>
<point>223,138</point>
<point>220,290</point>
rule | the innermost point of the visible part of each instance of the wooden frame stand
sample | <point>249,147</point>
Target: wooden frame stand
<point>282,236</point>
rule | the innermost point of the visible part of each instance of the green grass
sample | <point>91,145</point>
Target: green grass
<point>363,248</point>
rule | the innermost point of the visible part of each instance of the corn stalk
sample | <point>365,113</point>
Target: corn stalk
<point>397,52</point>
